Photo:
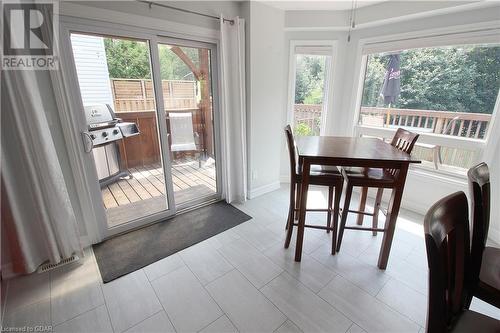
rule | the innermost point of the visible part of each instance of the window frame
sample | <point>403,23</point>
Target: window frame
<point>486,33</point>
<point>328,85</point>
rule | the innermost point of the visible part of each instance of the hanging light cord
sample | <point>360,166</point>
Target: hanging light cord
<point>352,18</point>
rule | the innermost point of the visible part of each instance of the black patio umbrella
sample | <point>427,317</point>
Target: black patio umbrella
<point>392,81</point>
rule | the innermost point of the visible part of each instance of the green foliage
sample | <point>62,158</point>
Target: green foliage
<point>302,129</point>
<point>461,79</point>
<point>310,73</point>
<point>129,59</point>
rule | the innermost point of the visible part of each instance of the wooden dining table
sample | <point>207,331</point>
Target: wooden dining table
<point>353,152</point>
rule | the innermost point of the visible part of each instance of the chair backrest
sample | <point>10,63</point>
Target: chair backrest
<point>181,130</point>
<point>446,227</point>
<point>479,190</point>
<point>292,150</point>
<point>405,141</point>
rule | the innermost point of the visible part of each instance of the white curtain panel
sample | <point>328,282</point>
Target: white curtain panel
<point>44,226</point>
<point>233,116</point>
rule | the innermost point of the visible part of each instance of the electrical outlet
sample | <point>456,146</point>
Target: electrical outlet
<point>254,175</point>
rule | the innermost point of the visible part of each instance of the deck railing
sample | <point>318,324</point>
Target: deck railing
<point>469,125</point>
<point>308,115</point>
<point>460,124</point>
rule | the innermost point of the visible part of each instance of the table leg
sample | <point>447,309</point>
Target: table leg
<point>302,209</point>
<point>362,205</point>
<point>392,216</point>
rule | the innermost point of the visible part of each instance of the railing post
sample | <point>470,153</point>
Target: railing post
<point>438,128</point>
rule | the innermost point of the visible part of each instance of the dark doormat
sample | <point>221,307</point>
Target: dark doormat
<point>126,253</point>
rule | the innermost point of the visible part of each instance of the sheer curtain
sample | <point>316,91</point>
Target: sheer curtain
<point>233,117</point>
<point>42,226</point>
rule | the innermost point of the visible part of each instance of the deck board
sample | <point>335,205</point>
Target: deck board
<point>148,182</point>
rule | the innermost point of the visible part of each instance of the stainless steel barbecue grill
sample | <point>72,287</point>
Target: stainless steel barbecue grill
<point>105,131</point>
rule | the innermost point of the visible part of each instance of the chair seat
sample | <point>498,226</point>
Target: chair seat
<point>367,175</point>
<point>322,175</point>
<point>471,321</point>
<point>489,277</point>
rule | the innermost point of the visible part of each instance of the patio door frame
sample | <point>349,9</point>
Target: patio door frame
<point>74,122</point>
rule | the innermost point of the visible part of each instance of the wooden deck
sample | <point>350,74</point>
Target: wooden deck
<point>144,193</point>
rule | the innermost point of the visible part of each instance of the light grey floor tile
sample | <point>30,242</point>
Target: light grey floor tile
<point>307,310</point>
<point>256,267</point>
<point>130,300</point>
<point>311,240</point>
<point>245,306</point>
<point>158,323</point>
<point>188,305</point>
<point>288,327</point>
<point>75,289</point>
<point>221,325</point>
<point>163,266</point>
<point>409,274</point>
<point>404,300</point>
<point>223,238</point>
<point>369,278</point>
<point>34,314</point>
<point>355,329</point>
<point>364,309</point>
<point>310,272</point>
<point>205,262</point>
<point>258,235</point>
<point>96,320</point>
<point>28,289</point>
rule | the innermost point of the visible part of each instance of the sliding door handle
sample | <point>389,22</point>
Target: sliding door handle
<point>88,143</point>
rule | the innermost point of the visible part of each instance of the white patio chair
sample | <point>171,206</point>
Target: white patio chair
<point>182,135</point>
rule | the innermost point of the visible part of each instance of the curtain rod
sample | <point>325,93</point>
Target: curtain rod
<point>151,3</point>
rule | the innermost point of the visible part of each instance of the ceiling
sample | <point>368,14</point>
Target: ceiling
<point>321,5</point>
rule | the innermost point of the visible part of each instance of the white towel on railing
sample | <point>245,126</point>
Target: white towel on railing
<point>181,131</point>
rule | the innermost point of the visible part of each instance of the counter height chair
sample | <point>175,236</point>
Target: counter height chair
<point>375,178</point>
<point>446,228</point>
<point>485,260</point>
<point>328,176</point>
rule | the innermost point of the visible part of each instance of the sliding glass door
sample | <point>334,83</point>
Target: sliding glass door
<point>149,109</point>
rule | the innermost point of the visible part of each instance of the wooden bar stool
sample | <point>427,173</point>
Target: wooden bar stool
<point>485,260</point>
<point>446,227</point>
<point>320,175</point>
<point>376,178</point>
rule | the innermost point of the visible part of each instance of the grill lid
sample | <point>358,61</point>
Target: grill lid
<point>99,114</point>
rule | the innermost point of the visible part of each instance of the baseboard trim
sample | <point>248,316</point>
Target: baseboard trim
<point>263,190</point>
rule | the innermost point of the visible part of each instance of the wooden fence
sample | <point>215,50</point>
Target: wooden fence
<point>309,115</point>
<point>130,95</point>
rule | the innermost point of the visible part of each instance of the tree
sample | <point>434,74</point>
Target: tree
<point>460,79</point>
<point>310,73</point>
<point>129,59</point>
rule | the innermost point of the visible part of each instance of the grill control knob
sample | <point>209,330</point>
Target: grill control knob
<point>115,131</point>
<point>104,134</point>
<point>92,136</point>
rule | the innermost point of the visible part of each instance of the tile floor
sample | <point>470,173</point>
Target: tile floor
<point>243,281</point>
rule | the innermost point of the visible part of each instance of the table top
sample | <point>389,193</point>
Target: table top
<point>351,151</point>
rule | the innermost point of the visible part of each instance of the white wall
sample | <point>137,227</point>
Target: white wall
<point>421,190</point>
<point>266,101</point>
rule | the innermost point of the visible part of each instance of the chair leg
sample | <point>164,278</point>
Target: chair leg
<point>362,205</point>
<point>336,210</point>
<point>329,214</point>
<point>376,209</point>
<point>345,210</point>
<point>291,209</point>
<point>297,201</point>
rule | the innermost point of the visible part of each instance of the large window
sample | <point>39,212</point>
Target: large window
<point>439,92</point>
